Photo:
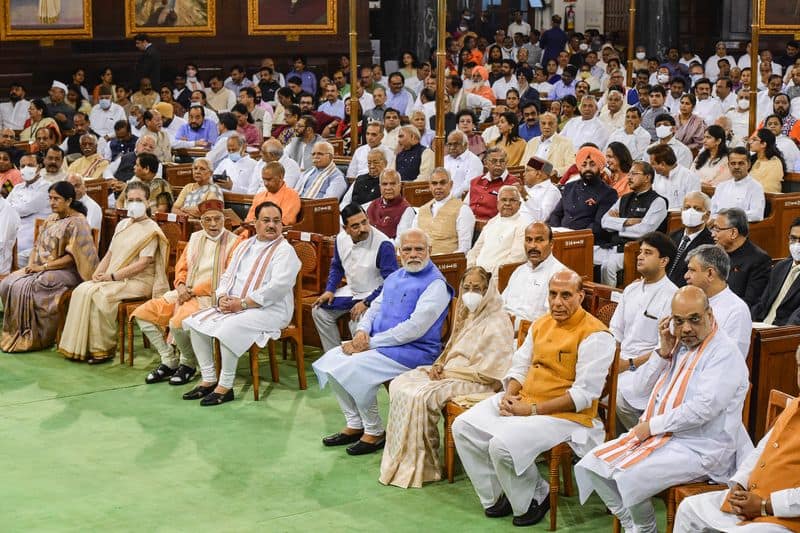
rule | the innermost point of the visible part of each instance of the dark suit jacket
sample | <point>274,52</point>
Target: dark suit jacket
<point>149,66</point>
<point>750,266</point>
<point>679,263</point>
<point>788,311</point>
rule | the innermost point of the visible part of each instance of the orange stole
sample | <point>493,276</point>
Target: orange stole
<point>554,360</point>
<point>778,467</point>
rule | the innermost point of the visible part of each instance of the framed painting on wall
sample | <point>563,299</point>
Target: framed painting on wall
<point>171,18</point>
<point>299,17</point>
<point>46,20</point>
<point>779,16</point>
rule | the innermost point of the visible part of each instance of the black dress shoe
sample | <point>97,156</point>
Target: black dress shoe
<point>501,508</point>
<point>534,514</point>
<point>199,392</point>
<point>182,375</point>
<point>339,439</point>
<point>161,373</point>
<point>362,448</point>
<point>216,398</point>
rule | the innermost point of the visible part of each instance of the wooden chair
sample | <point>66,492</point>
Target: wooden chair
<point>318,216</point>
<point>178,174</point>
<point>14,265</point>
<point>504,275</point>
<point>97,190</point>
<point>452,410</point>
<point>575,249</point>
<point>630,274</point>
<point>417,193</point>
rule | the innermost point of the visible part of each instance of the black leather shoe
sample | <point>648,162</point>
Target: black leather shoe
<point>216,398</point>
<point>339,439</point>
<point>501,508</point>
<point>199,392</point>
<point>534,514</point>
<point>182,375</point>
<point>363,448</point>
<point>161,373</point>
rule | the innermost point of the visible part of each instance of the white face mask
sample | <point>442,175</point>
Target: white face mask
<point>136,209</point>
<point>583,47</point>
<point>640,55</point>
<point>28,173</point>
<point>794,249</point>
<point>105,103</point>
<point>744,104</point>
<point>663,78</point>
<point>691,218</point>
<point>471,300</point>
<point>696,78</point>
<point>662,132</point>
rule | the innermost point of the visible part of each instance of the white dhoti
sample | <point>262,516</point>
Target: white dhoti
<point>627,492</point>
<point>355,380</point>
<point>610,262</point>
<point>631,402</point>
<point>702,513</point>
<point>499,452</point>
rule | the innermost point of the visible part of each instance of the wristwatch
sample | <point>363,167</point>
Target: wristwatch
<point>764,507</point>
<point>244,304</point>
<point>534,411</point>
<point>631,365</point>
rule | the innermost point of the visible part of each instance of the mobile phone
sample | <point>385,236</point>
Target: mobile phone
<point>220,177</point>
<point>672,328</point>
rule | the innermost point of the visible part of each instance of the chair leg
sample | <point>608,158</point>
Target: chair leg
<point>121,333</point>
<point>273,362</point>
<point>449,448</point>
<point>670,509</point>
<point>616,527</point>
<point>254,370</point>
<point>555,485</point>
<point>217,357</point>
<point>129,328</point>
<point>566,474</point>
<point>299,357</point>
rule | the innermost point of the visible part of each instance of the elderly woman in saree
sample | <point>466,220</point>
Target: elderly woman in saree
<point>474,361</point>
<point>133,267</point>
<point>201,189</point>
<point>63,256</point>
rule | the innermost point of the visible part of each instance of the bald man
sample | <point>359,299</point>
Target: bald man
<point>550,396</point>
<point>692,427</point>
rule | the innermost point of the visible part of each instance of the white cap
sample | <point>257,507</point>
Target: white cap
<point>58,85</point>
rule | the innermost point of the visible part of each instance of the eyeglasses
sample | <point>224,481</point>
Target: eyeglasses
<point>717,229</point>
<point>496,161</point>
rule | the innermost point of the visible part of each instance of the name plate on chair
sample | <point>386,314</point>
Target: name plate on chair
<point>305,236</point>
<point>172,217</point>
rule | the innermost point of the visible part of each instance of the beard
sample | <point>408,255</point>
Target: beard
<point>415,266</point>
<point>588,176</point>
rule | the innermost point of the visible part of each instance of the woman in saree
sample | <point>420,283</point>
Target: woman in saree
<point>474,361</point>
<point>63,256</point>
<point>133,267</point>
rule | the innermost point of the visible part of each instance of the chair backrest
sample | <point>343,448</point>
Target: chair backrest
<point>605,312</point>
<point>524,326</point>
<point>504,274</point>
<point>417,193</point>
<point>239,203</point>
<point>178,174</point>
<point>629,262</point>
<point>575,250</point>
<point>608,399</point>
<point>452,267</point>
<point>319,216</point>
<point>14,264</point>
<point>97,190</point>
<point>308,260</point>
<point>308,247</point>
<point>37,226</point>
<point>777,403</point>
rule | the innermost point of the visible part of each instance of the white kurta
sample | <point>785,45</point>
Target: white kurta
<point>636,142</point>
<point>542,199</point>
<point>635,326</point>
<point>682,152</point>
<point>581,131</point>
<point>30,201</point>
<point>709,110</point>
<point>746,193</point>
<point>358,260</point>
<point>9,225</point>
<point>240,173</point>
<point>462,169</point>
<point>525,296</point>
<point>358,163</point>
<point>94,215</point>
<point>502,241</point>
<point>680,182</point>
<point>733,317</point>
<point>238,331</point>
<point>465,223</point>
<point>103,120</point>
<point>706,427</point>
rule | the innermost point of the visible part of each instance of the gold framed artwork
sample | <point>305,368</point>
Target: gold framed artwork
<point>291,17</point>
<point>171,18</point>
<point>779,16</point>
<point>46,20</point>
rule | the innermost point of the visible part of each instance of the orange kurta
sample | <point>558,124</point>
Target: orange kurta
<point>286,197</point>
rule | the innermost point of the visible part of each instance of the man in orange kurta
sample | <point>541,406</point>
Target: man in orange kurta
<point>196,275</point>
<point>765,491</point>
<point>278,193</point>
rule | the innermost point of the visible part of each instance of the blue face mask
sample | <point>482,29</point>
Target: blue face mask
<point>236,156</point>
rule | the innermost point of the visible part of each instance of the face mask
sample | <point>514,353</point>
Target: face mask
<point>691,218</point>
<point>662,132</point>
<point>696,77</point>
<point>236,156</point>
<point>640,56</point>
<point>583,47</point>
<point>662,78</point>
<point>28,173</point>
<point>191,74</point>
<point>744,104</point>
<point>105,103</point>
<point>794,249</point>
<point>471,300</point>
<point>136,209</point>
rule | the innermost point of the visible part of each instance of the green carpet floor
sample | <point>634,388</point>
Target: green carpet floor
<point>92,448</point>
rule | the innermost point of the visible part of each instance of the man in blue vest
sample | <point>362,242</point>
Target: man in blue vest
<point>400,331</point>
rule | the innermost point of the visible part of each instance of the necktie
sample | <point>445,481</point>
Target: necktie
<point>679,255</point>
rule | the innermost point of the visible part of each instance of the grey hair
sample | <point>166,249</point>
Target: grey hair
<point>737,218</point>
<point>412,231</point>
<point>505,188</point>
<point>410,130</point>
<point>379,152</point>
<point>238,138</point>
<point>205,160</point>
<point>714,257</point>
<point>703,196</point>
<point>497,150</point>
<point>325,144</point>
<point>442,170</point>
<point>461,135</point>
